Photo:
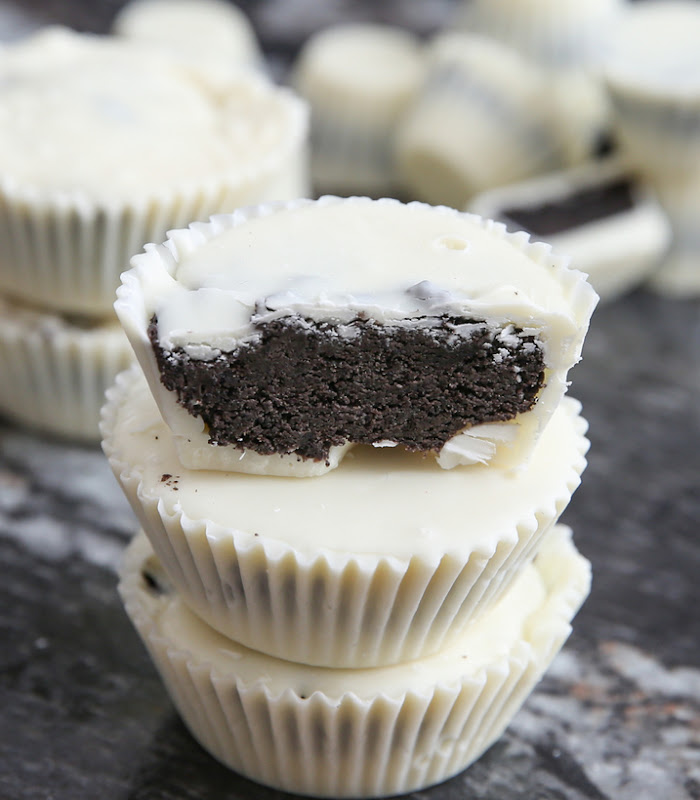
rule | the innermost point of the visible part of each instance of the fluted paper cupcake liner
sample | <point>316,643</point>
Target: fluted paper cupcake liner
<point>358,80</point>
<point>678,275</point>
<point>55,371</point>
<point>66,250</point>
<point>358,733</point>
<point>341,590</point>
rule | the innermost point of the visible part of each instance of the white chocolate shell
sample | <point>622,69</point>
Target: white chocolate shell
<point>482,118</point>
<point>201,30</point>
<point>90,169</point>
<point>653,79</point>
<point>383,560</point>
<point>364,732</point>
<point>338,259</point>
<point>556,33</point>
<point>679,273</point>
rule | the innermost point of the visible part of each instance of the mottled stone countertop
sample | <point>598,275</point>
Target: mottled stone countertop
<point>83,714</point>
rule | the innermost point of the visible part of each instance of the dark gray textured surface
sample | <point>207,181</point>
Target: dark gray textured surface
<point>83,714</point>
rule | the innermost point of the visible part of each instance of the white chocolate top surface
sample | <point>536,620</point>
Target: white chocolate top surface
<point>535,610</point>
<point>658,48</point>
<point>110,119</point>
<point>194,28</point>
<point>340,259</point>
<point>379,502</point>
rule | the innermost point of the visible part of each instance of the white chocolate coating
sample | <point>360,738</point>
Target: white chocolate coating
<point>653,79</point>
<point>557,33</point>
<point>381,561</point>
<point>358,80</point>
<point>54,371</point>
<point>337,259</point>
<point>97,116</point>
<point>482,118</point>
<point>658,49</point>
<point>486,637</point>
<point>360,69</point>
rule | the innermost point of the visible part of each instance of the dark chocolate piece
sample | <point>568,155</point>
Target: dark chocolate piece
<point>154,577</point>
<point>573,210</point>
<point>302,387</point>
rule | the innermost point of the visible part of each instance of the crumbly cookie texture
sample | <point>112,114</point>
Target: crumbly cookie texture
<point>346,321</point>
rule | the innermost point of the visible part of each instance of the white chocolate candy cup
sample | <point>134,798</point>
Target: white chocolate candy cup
<point>383,560</point>
<point>66,236</point>
<point>616,252</point>
<point>482,119</point>
<point>653,79</point>
<point>201,30</point>
<point>659,135</point>
<point>556,33</point>
<point>581,113</point>
<point>379,249</point>
<point>359,733</point>
<point>358,80</point>
<point>55,373</point>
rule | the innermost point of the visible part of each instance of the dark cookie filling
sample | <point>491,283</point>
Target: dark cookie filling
<point>579,208</point>
<point>302,387</point>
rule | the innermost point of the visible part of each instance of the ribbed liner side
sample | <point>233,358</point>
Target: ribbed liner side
<point>55,380</point>
<point>367,744</point>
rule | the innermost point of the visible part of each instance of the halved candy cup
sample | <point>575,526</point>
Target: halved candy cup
<point>328,271</point>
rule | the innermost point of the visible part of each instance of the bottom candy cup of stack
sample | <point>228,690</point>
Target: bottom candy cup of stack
<point>55,369</point>
<point>363,732</point>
